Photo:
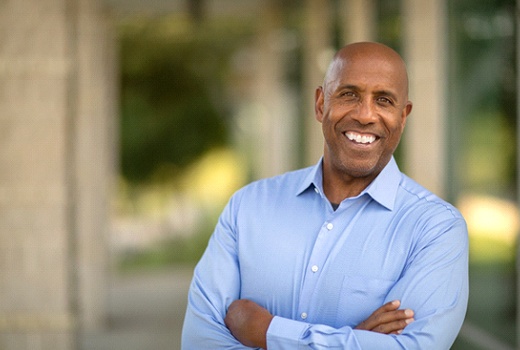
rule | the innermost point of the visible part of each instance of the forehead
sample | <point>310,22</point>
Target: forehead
<point>368,72</point>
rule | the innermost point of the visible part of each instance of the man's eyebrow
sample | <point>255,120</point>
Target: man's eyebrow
<point>348,87</point>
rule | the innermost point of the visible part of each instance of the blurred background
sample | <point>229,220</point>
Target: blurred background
<point>125,126</point>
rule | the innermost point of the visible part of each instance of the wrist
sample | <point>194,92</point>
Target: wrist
<point>263,327</point>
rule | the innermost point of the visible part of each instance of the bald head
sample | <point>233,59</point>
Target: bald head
<point>373,56</point>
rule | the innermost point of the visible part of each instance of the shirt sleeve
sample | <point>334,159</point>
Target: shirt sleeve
<point>434,284</point>
<point>214,286</point>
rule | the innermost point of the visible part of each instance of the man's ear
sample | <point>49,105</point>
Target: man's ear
<point>408,108</point>
<point>407,111</point>
<point>319,100</point>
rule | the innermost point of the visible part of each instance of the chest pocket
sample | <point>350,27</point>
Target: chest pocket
<point>360,296</point>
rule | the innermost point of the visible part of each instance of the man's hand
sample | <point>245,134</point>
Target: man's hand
<point>248,322</point>
<point>388,319</point>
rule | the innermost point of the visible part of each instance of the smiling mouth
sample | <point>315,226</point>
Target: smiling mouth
<point>364,139</point>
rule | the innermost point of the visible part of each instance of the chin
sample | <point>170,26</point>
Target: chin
<point>357,167</point>
<point>358,171</point>
<point>361,173</point>
<point>363,169</point>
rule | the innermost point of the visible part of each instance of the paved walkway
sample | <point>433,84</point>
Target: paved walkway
<point>146,311</point>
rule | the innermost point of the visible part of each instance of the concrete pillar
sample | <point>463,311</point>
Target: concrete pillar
<point>358,20</point>
<point>424,50</point>
<point>273,103</point>
<point>94,130</point>
<point>55,142</point>
<point>317,51</point>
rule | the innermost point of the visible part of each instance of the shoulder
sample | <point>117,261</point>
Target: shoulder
<point>436,226</point>
<point>432,216</point>
<point>414,196</point>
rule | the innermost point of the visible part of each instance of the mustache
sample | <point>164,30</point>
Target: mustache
<point>353,125</point>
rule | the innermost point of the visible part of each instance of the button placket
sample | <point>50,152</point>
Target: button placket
<point>316,261</point>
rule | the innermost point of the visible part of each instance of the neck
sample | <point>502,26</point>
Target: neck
<point>338,186</point>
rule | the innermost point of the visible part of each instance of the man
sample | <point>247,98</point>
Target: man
<point>348,254</point>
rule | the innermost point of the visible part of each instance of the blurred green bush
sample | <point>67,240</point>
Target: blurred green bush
<point>174,107</point>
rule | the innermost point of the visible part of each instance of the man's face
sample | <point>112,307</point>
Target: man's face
<point>363,108</point>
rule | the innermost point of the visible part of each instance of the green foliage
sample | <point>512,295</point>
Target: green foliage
<point>174,107</point>
<point>482,81</point>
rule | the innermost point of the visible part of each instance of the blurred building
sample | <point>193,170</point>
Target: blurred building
<point>58,136</point>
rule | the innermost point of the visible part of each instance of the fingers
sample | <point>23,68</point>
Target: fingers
<point>388,319</point>
<point>393,322</point>
<point>390,306</point>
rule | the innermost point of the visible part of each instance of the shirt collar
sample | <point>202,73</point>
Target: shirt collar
<point>383,189</point>
<point>313,179</point>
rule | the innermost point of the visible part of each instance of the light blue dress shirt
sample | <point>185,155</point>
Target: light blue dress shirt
<point>321,272</point>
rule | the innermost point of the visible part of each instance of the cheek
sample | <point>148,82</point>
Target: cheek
<point>403,123</point>
<point>396,124</point>
<point>395,131</point>
<point>329,120</point>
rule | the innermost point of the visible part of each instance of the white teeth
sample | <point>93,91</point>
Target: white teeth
<point>360,138</point>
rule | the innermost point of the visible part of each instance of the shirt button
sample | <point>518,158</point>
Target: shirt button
<point>316,190</point>
<point>314,268</point>
<point>303,315</point>
<point>330,226</point>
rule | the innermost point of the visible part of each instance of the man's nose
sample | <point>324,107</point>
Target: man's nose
<point>365,112</point>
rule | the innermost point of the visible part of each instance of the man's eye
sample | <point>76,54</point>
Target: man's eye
<point>348,94</point>
<point>384,100</point>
